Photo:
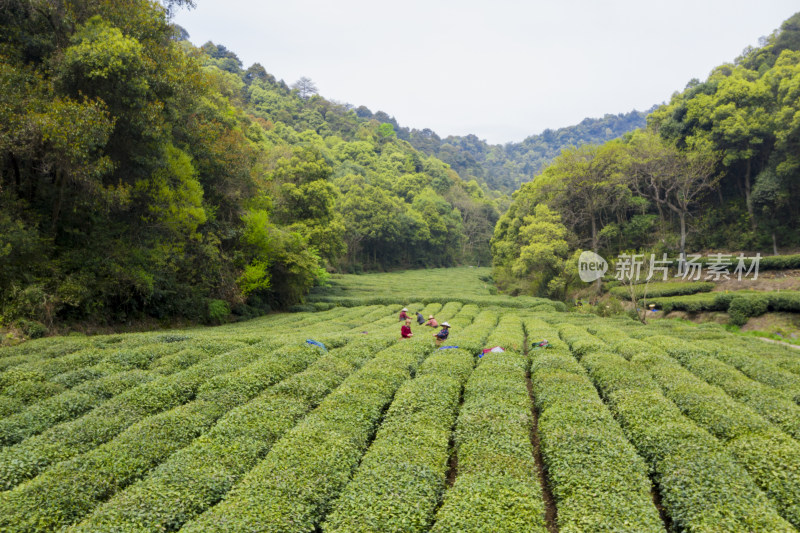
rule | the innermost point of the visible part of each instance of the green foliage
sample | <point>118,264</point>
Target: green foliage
<point>31,328</point>
<point>141,176</point>
<point>409,455</point>
<point>765,452</point>
<point>714,169</point>
<point>742,308</point>
<point>185,429</point>
<point>319,454</point>
<point>741,305</point>
<point>187,483</point>
<point>530,251</point>
<point>218,311</point>
<point>663,289</point>
<point>596,476</point>
<point>696,474</point>
<point>495,482</point>
<point>506,168</point>
<point>772,404</point>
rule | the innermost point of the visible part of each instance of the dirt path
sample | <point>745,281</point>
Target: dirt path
<point>550,513</point>
<point>790,345</point>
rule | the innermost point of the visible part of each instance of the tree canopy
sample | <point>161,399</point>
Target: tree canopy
<point>715,168</point>
<point>142,176</point>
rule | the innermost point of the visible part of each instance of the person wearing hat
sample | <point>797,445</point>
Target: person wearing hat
<point>420,318</point>
<point>431,322</point>
<point>404,313</point>
<point>443,333</point>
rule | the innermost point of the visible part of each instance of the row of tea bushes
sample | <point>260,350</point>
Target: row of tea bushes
<point>66,492</point>
<point>100,382</point>
<point>774,405</point>
<point>521,302</point>
<point>466,315</point>
<point>63,441</point>
<point>68,405</point>
<point>55,347</point>
<point>399,483</point>
<point>702,486</point>
<point>767,262</point>
<point>662,289</point>
<point>497,486</point>
<point>104,384</point>
<point>472,337</point>
<point>755,366</point>
<point>783,357</point>
<point>122,359</point>
<point>770,456</point>
<point>509,334</point>
<point>198,476</point>
<point>30,382</point>
<point>598,481</point>
<point>143,351</point>
<point>740,305</point>
<point>291,488</point>
<point>41,351</point>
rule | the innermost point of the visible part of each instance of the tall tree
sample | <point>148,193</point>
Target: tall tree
<point>585,186</point>
<point>671,178</point>
<point>305,87</point>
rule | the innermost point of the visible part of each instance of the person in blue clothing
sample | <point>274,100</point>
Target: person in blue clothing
<point>443,333</point>
<point>420,318</point>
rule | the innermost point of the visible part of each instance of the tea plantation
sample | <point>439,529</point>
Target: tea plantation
<point>615,426</point>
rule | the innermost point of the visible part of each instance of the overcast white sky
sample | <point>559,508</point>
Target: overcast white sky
<point>500,69</point>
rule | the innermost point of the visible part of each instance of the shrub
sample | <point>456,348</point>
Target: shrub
<point>31,328</point>
<point>69,490</point>
<point>656,290</point>
<point>217,311</point>
<point>696,475</point>
<point>772,404</point>
<point>596,476</point>
<point>302,308</point>
<point>741,308</point>
<point>28,458</point>
<point>400,480</point>
<point>496,483</point>
<point>771,457</point>
<point>317,457</point>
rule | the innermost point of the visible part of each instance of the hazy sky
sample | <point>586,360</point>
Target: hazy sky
<point>500,69</point>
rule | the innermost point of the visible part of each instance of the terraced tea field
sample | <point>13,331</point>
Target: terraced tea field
<point>247,427</point>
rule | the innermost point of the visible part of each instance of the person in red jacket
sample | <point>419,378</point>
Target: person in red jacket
<point>405,331</point>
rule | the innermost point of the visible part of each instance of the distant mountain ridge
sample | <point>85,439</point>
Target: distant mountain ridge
<point>504,168</point>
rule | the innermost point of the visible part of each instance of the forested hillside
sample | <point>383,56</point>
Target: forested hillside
<point>143,176</point>
<point>717,168</point>
<point>503,168</point>
<point>506,167</point>
<point>140,176</point>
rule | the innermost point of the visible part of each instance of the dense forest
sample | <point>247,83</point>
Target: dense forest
<point>505,167</point>
<point>141,176</point>
<point>717,168</point>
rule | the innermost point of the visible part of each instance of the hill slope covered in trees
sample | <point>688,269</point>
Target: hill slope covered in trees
<point>504,168</point>
<point>718,168</point>
<point>140,175</point>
